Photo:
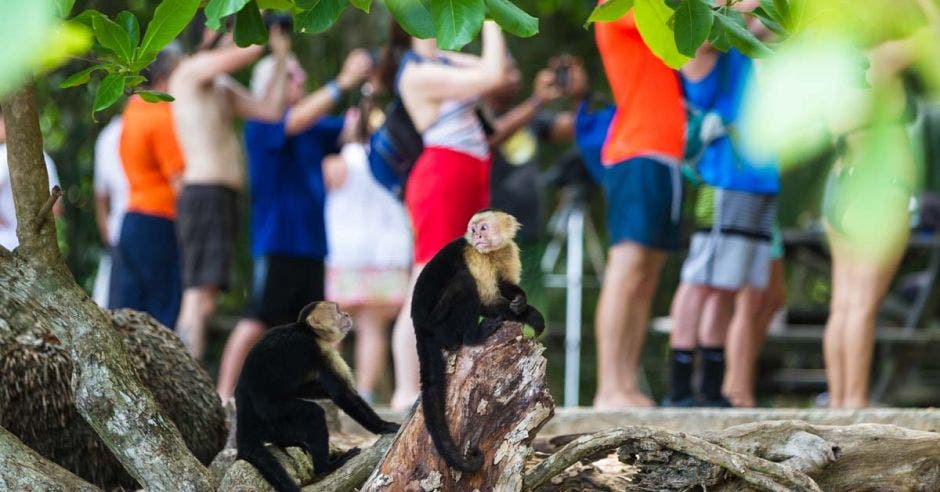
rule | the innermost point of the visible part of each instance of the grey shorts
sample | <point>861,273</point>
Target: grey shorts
<point>731,248</point>
<point>206,223</point>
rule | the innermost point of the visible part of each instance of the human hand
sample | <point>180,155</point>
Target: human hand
<point>356,68</point>
<point>334,172</point>
<point>279,41</point>
<point>546,87</point>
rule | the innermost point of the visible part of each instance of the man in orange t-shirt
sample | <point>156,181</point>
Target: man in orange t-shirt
<point>146,271</point>
<point>643,192</point>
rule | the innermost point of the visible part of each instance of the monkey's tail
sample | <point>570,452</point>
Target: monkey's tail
<point>433,395</point>
<point>249,440</point>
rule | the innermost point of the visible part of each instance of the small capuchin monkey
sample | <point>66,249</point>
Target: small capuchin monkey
<point>472,276</point>
<point>289,365</point>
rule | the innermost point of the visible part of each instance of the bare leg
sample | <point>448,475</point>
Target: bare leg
<point>622,317</point>
<point>371,345</point>
<point>716,316</point>
<point>197,307</point>
<point>833,349</point>
<point>405,353</point>
<point>686,313</point>
<point>243,337</point>
<point>754,308</point>
<point>859,331</point>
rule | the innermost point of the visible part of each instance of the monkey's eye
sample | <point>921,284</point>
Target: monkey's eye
<point>483,227</point>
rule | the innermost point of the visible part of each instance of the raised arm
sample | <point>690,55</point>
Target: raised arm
<point>437,81</point>
<point>271,108</point>
<point>205,66</point>
<point>317,104</point>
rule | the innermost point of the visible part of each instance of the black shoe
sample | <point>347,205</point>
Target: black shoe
<point>720,402</point>
<point>686,402</point>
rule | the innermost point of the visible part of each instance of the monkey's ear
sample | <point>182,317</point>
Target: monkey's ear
<point>510,224</point>
<point>307,312</point>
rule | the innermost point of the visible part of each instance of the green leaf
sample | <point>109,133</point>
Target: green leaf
<point>652,17</point>
<point>284,5</point>
<point>319,14</point>
<point>610,10</point>
<point>783,12</point>
<point>693,22</point>
<point>249,26</point>
<point>79,78</point>
<point>769,8</point>
<point>109,91</point>
<point>113,37</point>
<point>413,16</point>
<point>740,37</point>
<point>86,17</point>
<point>768,21</point>
<point>63,8</point>
<point>718,38</point>
<point>457,22</point>
<point>169,19</point>
<point>155,96</point>
<point>129,22</point>
<point>142,61</point>
<point>133,80</point>
<point>363,5</point>
<point>217,9</point>
<point>512,19</point>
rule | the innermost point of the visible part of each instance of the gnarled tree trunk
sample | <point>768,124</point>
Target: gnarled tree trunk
<point>108,393</point>
<point>497,399</point>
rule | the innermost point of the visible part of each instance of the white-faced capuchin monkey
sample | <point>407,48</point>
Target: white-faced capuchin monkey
<point>288,366</point>
<point>473,276</point>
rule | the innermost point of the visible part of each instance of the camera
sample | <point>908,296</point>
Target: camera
<point>281,19</point>
<point>562,76</point>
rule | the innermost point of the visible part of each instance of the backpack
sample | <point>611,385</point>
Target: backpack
<point>394,148</point>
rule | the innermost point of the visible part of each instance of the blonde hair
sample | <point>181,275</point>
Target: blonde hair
<point>263,72</point>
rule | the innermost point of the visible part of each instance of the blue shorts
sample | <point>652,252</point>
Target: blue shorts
<point>145,270</point>
<point>644,203</point>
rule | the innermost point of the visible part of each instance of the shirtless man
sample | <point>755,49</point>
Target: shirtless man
<point>207,100</point>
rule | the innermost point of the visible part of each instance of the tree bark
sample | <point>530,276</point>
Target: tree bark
<point>21,468</point>
<point>107,392</point>
<point>497,399</point>
<point>861,457</point>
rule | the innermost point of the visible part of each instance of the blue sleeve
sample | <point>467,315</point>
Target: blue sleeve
<point>329,129</point>
<point>260,136</point>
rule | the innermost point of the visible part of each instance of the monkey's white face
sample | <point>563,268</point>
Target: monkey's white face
<point>484,236</point>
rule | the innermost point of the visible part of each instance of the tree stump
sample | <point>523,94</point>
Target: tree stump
<point>497,399</point>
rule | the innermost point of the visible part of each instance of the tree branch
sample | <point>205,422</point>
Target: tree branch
<point>759,472</point>
<point>354,473</point>
<point>28,176</point>
<point>40,219</point>
<point>21,468</point>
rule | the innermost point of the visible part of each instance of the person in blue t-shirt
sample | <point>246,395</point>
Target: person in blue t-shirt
<point>288,233</point>
<point>730,249</point>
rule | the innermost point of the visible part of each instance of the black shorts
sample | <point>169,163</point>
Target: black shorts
<point>207,222</point>
<point>282,286</point>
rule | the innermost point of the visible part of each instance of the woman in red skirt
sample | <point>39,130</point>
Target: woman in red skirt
<point>450,181</point>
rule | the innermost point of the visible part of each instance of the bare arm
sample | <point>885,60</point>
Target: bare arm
<point>436,81</point>
<point>203,67</point>
<point>509,123</point>
<point>316,105</point>
<point>271,108</point>
<point>102,209</point>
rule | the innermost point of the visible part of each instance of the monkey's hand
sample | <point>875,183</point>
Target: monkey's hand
<point>518,304</point>
<point>388,427</point>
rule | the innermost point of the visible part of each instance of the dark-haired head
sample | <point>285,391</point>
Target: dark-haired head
<point>398,43</point>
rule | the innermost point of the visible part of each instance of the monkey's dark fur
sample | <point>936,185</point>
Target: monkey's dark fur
<point>288,363</point>
<point>458,286</point>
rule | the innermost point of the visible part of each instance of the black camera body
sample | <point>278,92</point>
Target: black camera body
<point>562,76</point>
<point>281,19</point>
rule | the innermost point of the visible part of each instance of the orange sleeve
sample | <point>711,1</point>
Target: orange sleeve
<point>166,148</point>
